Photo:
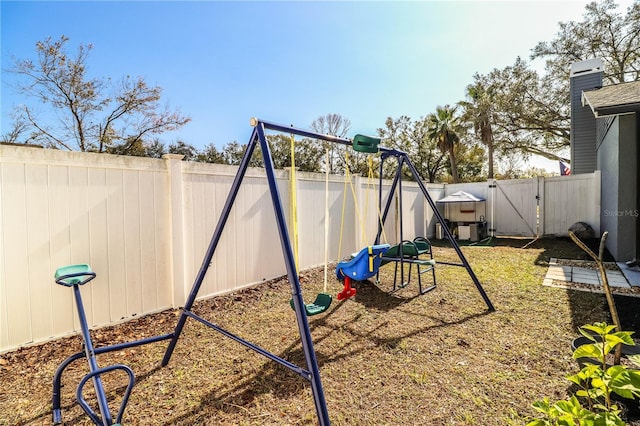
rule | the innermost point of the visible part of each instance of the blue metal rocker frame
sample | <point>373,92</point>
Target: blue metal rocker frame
<point>74,276</point>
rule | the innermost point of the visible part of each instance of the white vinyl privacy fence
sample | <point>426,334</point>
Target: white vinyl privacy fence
<point>144,226</point>
<point>538,206</point>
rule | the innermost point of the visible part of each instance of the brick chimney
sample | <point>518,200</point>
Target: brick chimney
<point>584,75</point>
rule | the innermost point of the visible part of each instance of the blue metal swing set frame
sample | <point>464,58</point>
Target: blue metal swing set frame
<point>310,372</point>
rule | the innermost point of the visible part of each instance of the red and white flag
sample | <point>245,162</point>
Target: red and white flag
<point>564,169</point>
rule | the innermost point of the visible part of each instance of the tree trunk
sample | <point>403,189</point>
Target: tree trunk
<point>490,152</point>
<point>454,165</point>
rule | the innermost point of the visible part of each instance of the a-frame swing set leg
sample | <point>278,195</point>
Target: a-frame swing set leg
<point>403,159</point>
<point>450,237</point>
<point>312,372</point>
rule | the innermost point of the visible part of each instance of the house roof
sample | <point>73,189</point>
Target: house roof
<point>616,99</point>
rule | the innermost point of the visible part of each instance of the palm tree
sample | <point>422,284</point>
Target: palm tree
<point>444,127</point>
<point>478,110</point>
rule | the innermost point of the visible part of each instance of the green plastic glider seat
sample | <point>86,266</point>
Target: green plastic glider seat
<point>411,252</point>
<point>423,245</point>
<point>74,275</point>
<point>362,143</point>
<point>321,304</point>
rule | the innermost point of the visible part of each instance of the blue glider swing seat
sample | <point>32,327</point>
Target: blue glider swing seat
<point>362,266</point>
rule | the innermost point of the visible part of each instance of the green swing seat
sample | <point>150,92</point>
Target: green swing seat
<point>321,304</point>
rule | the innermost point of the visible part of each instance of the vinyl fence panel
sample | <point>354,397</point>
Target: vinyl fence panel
<point>145,224</point>
<point>59,208</point>
<point>514,204</point>
<point>571,199</point>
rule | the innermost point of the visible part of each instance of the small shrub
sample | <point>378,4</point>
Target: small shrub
<point>592,404</point>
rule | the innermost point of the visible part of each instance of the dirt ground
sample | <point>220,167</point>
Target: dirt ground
<point>385,358</point>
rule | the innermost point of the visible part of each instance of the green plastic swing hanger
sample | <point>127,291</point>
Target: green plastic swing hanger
<point>368,144</point>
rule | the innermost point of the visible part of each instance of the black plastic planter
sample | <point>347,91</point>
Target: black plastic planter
<point>579,341</point>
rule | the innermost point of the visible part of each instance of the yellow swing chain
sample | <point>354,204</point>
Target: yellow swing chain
<point>294,202</point>
<point>370,185</point>
<point>344,205</point>
<point>326,220</point>
<point>363,234</point>
<point>322,301</point>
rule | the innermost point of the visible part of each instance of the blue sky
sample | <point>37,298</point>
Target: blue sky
<point>289,62</point>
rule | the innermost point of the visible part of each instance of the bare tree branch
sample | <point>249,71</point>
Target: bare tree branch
<point>81,116</point>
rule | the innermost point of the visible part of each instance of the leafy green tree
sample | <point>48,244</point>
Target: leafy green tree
<point>133,148</point>
<point>280,146</point>
<point>88,114</point>
<point>478,109</point>
<point>308,153</point>
<point>180,147</point>
<point>532,171</point>
<point>395,135</point>
<point>444,127</point>
<point>233,152</point>
<point>511,166</point>
<point>603,33</point>
<point>156,149</point>
<point>531,112</point>
<point>470,159</point>
<point>413,138</point>
<point>210,154</point>
<point>310,156</point>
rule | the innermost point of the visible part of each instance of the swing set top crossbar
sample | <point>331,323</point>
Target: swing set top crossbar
<point>309,134</point>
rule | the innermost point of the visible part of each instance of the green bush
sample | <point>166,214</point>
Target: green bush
<point>592,405</point>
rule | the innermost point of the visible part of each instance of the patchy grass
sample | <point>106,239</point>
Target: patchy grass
<point>385,359</point>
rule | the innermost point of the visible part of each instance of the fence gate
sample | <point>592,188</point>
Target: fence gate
<point>513,207</point>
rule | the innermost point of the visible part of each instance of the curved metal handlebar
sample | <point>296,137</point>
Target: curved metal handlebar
<point>85,406</point>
